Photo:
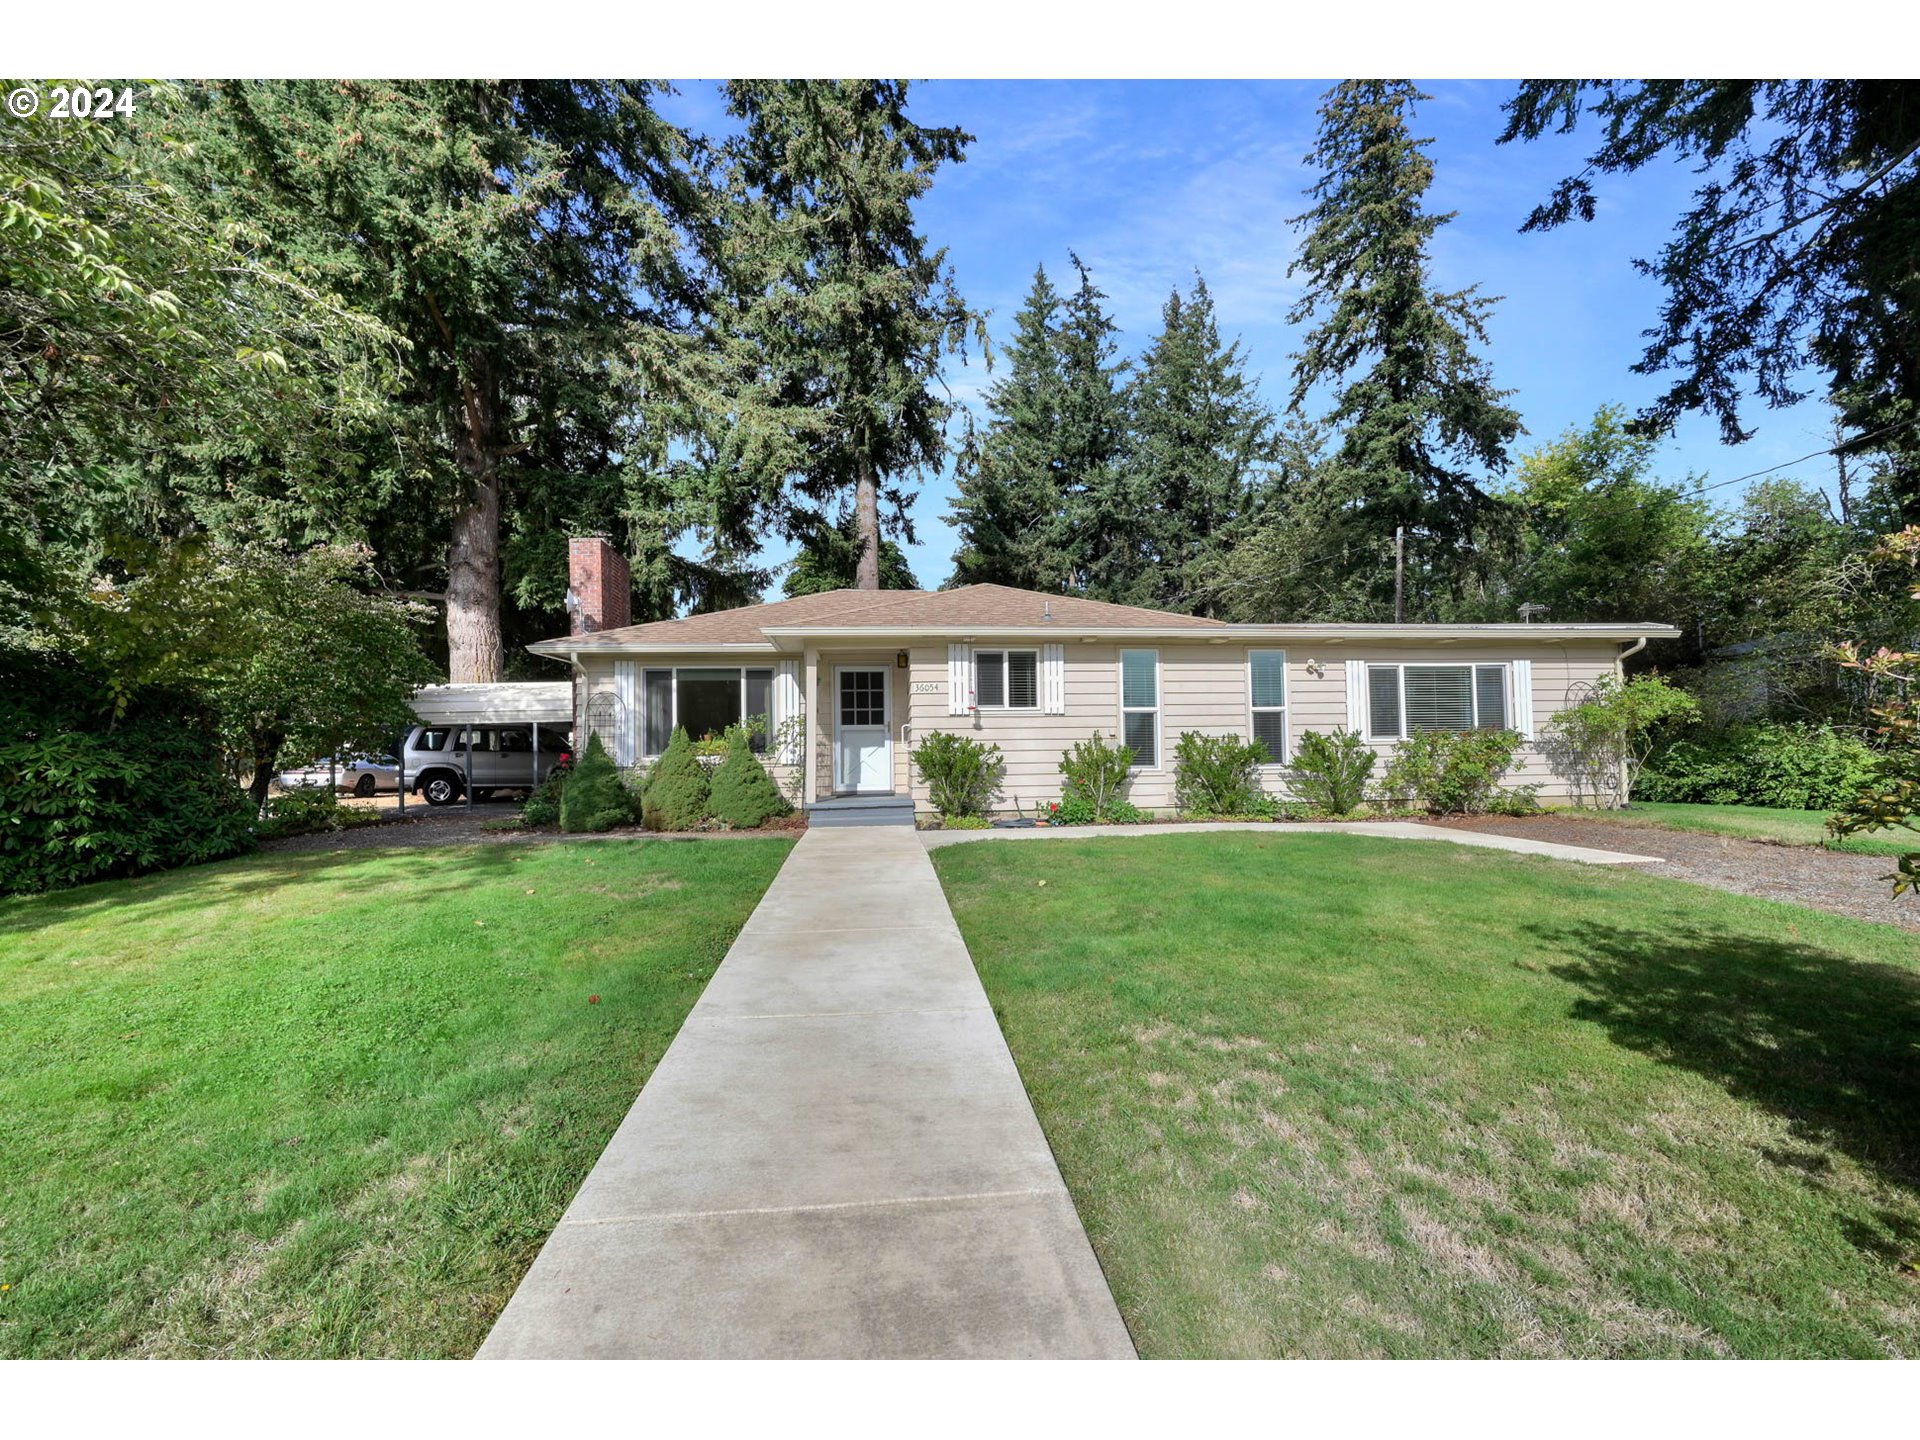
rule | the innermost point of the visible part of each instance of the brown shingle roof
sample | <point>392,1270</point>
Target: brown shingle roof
<point>969,606</point>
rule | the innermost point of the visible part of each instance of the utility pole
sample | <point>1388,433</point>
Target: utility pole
<point>1399,574</point>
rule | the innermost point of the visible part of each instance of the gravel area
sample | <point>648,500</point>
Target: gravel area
<point>453,825</point>
<point>1853,885</point>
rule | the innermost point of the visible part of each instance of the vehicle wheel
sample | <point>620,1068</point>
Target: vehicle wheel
<point>363,787</point>
<point>441,790</point>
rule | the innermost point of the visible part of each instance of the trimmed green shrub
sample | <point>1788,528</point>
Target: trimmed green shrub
<point>80,801</point>
<point>744,796</point>
<point>595,799</point>
<point>1786,766</point>
<point>962,774</point>
<point>542,807</point>
<point>1331,770</point>
<point>309,810</point>
<point>965,822</point>
<point>1217,775</point>
<point>1076,809</point>
<point>1095,772</point>
<point>678,787</point>
<point>1456,772</point>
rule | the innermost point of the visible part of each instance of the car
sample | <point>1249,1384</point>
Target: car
<point>502,757</point>
<point>361,775</point>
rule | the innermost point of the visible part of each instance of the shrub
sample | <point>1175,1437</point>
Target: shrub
<point>964,822</point>
<point>1076,809</point>
<point>1452,772</point>
<point>542,807</point>
<point>1602,743</point>
<point>309,810</point>
<point>678,787</point>
<point>962,774</point>
<point>1217,774</point>
<point>1792,767</point>
<point>1331,771</point>
<point>744,796</point>
<point>80,801</point>
<point>594,797</point>
<point>1095,772</point>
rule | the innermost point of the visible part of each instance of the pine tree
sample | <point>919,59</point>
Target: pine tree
<point>1202,442</point>
<point>1107,516</point>
<point>841,306</point>
<point>1010,504</point>
<point>1416,406</point>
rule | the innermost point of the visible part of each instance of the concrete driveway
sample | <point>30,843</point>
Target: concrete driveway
<point>835,1158</point>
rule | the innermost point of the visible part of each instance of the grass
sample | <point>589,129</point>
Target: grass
<point>329,1104</point>
<point>1755,822</point>
<point>1329,1095</point>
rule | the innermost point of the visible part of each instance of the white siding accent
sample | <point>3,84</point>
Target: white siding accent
<point>1357,696</point>
<point>626,688</point>
<point>1053,679</point>
<point>959,680</point>
<point>786,705</point>
<point>1521,700</point>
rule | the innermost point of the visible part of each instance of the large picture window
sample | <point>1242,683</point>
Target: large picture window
<point>1267,691</point>
<point>1140,706</point>
<point>1006,679</point>
<point>1405,700</point>
<point>704,700</point>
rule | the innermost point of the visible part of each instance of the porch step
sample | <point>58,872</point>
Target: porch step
<point>861,810</point>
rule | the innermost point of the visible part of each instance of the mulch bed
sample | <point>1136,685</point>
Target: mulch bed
<point>1852,885</point>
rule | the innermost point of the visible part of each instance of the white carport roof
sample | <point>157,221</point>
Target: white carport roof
<point>506,703</point>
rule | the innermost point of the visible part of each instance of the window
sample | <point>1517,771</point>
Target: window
<point>432,738</point>
<point>703,700</point>
<point>1267,686</point>
<point>1140,706</point>
<point>516,740</point>
<point>1006,679</point>
<point>863,698</point>
<point>1407,699</point>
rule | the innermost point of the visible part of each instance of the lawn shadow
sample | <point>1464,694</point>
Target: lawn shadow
<point>1829,1043</point>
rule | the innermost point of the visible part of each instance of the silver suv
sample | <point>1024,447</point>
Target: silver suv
<point>502,757</point>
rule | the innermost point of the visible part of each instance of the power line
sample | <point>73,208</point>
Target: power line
<point>1812,455</point>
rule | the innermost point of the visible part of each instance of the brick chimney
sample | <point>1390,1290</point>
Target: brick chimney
<point>599,585</point>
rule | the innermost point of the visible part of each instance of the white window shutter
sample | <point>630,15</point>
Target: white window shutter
<point>1053,678</point>
<point>626,689</point>
<point>959,680</point>
<point>786,706</point>
<point>1357,696</point>
<point>1521,699</point>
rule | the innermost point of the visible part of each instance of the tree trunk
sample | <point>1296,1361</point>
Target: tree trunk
<point>474,654</point>
<point>266,758</point>
<point>866,509</point>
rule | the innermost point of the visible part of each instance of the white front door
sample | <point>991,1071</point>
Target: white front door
<point>862,747</point>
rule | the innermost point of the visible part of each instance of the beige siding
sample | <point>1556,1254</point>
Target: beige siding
<point>1202,687</point>
<point>596,678</point>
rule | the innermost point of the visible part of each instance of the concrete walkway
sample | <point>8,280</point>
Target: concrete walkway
<point>835,1157</point>
<point>1381,829</point>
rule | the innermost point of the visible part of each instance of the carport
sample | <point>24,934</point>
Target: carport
<point>509,702</point>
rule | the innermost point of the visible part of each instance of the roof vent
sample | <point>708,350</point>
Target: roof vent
<point>1046,612</point>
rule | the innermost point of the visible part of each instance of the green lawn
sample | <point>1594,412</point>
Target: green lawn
<point>1328,1095</point>
<point>330,1104</point>
<point>1755,822</point>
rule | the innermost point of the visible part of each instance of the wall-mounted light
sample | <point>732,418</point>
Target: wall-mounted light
<point>1316,669</point>
<point>900,660</point>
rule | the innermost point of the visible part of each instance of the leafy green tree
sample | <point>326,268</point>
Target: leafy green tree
<point>1010,481</point>
<point>1602,539</point>
<point>841,309</point>
<point>1891,800</point>
<point>1201,444</point>
<point>829,559</point>
<point>1797,252</point>
<point>294,653</point>
<point>149,356</point>
<point>529,241</point>
<point>1415,406</point>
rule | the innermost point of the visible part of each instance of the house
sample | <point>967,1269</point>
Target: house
<point>851,680</point>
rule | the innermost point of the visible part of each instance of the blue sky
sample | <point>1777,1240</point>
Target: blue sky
<point>1150,180</point>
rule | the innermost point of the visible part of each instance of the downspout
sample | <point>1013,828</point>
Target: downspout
<point>1620,675</point>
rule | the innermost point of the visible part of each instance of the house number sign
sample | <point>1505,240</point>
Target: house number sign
<point>928,687</point>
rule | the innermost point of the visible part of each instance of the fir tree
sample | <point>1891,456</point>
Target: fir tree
<point>1202,441</point>
<point>1416,406</point>
<point>1106,509</point>
<point>829,559</point>
<point>843,309</point>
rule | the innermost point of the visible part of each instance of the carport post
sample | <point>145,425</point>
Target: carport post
<point>536,757</point>
<point>400,776</point>
<point>466,764</point>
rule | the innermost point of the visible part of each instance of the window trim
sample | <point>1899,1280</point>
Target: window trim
<point>1006,652</point>
<point>673,703</point>
<point>1284,707</point>
<point>1157,709</point>
<point>1472,667</point>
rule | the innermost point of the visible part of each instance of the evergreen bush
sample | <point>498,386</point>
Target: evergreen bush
<point>1786,766</point>
<point>962,774</point>
<point>678,788</point>
<point>744,796</point>
<point>1457,772</point>
<point>1331,770</point>
<point>1095,772</point>
<point>1217,775</point>
<point>594,798</point>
